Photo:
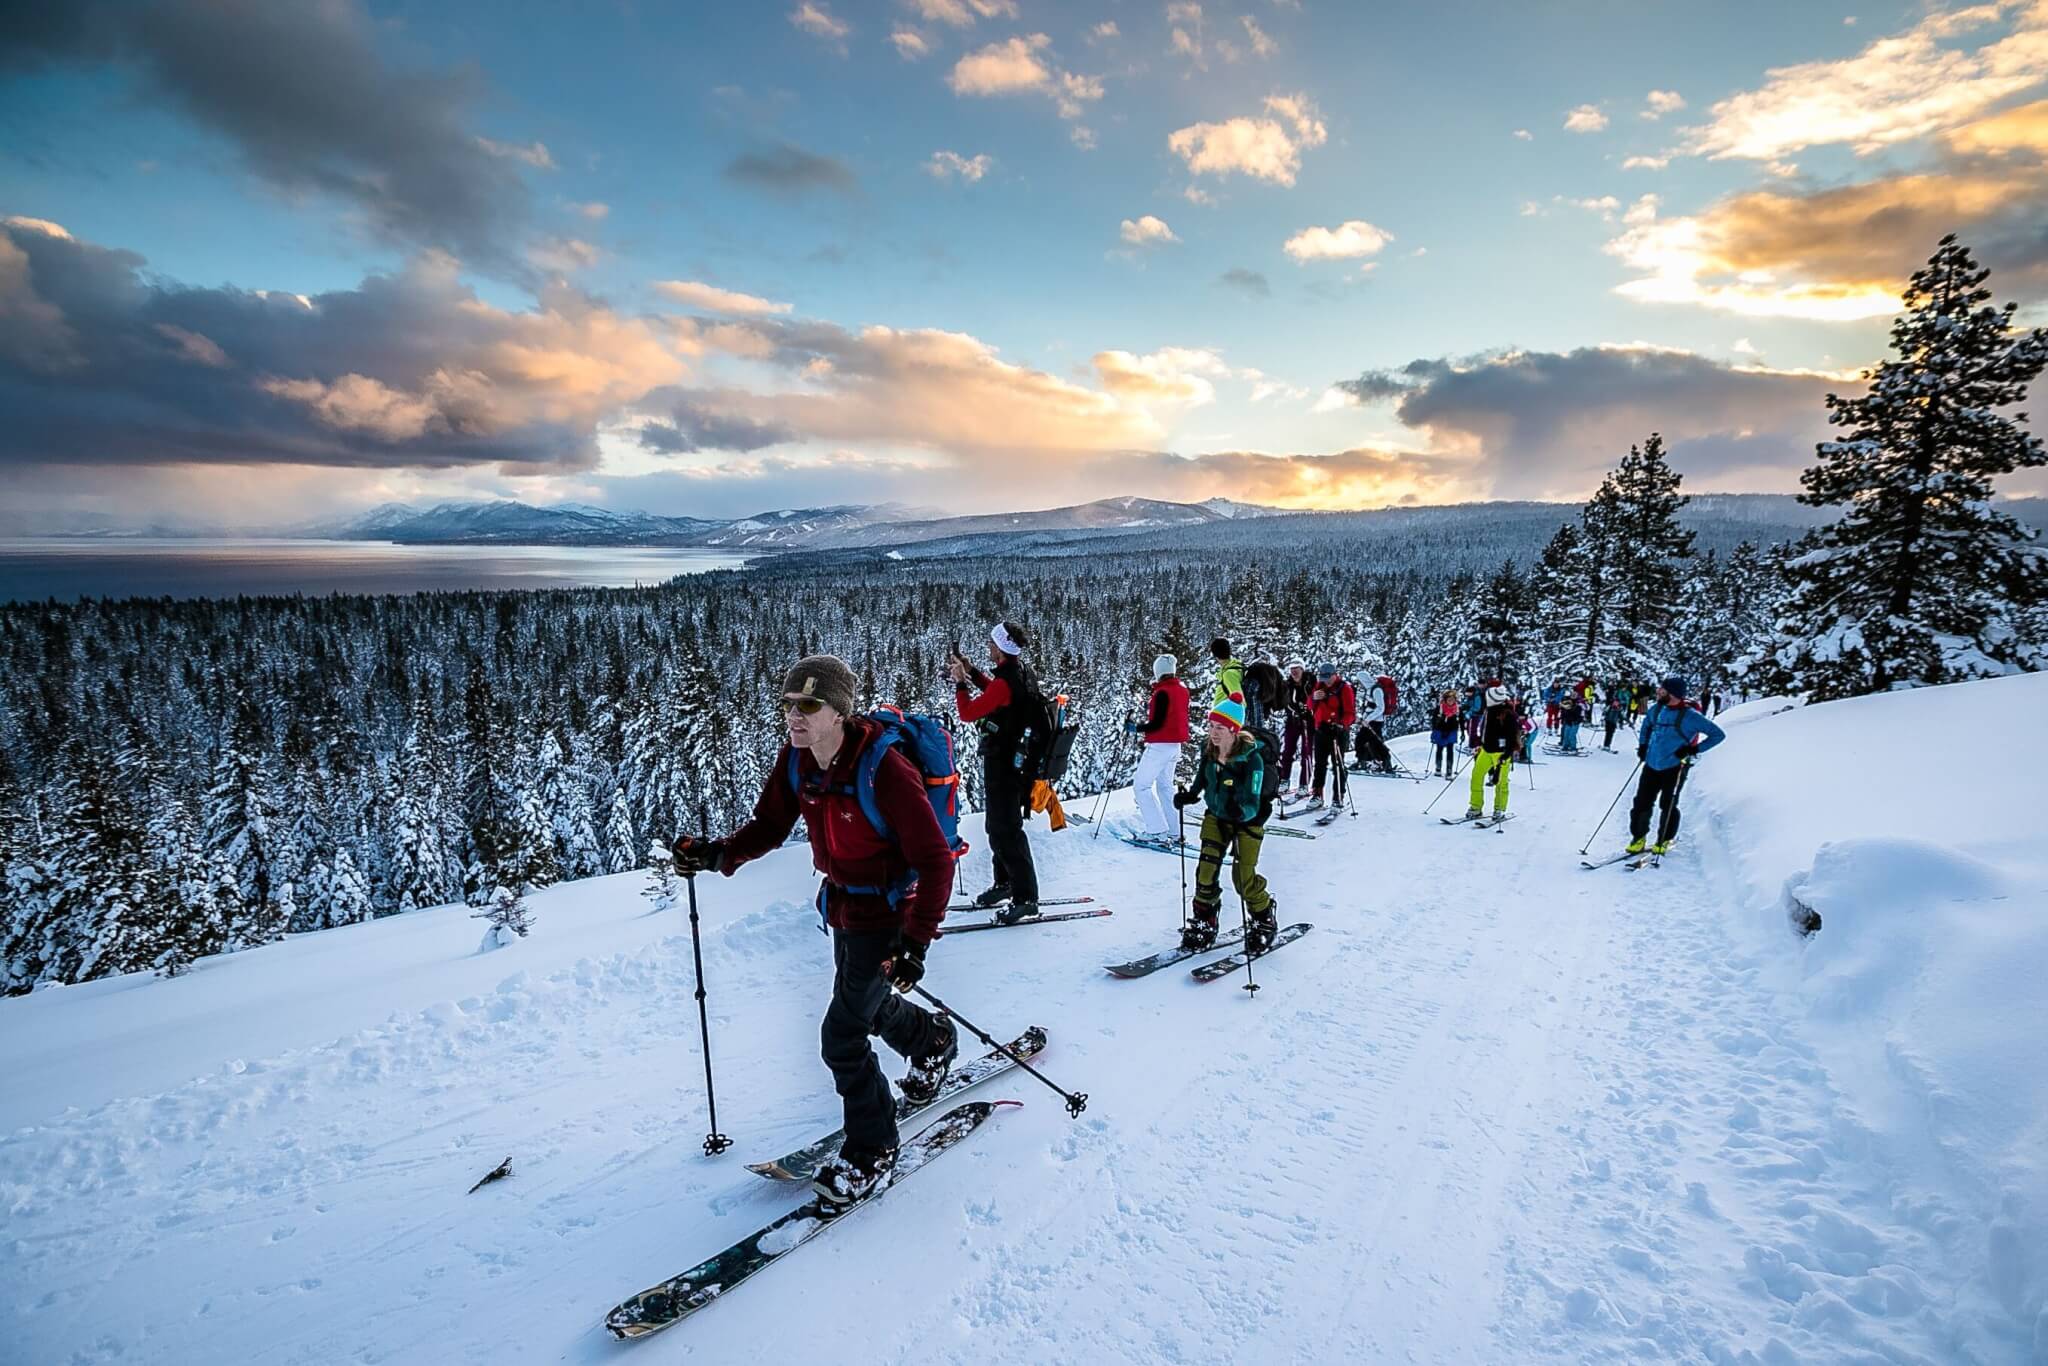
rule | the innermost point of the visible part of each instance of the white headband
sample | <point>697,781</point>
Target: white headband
<point>1003,642</point>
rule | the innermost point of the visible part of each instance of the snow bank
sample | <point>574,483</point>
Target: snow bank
<point>1919,841</point>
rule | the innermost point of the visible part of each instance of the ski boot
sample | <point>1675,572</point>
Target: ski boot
<point>1260,927</point>
<point>1637,845</point>
<point>852,1176</point>
<point>1314,802</point>
<point>1016,911</point>
<point>994,896</point>
<point>928,1070</point>
<point>1199,933</point>
<point>1661,848</point>
<point>1473,813</point>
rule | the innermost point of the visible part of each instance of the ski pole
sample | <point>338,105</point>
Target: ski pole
<point>1076,1101</point>
<point>1181,841</point>
<point>1244,911</point>
<point>1610,807</point>
<point>714,1142</point>
<point>1448,784</point>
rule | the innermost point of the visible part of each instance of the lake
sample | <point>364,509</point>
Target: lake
<point>67,568</point>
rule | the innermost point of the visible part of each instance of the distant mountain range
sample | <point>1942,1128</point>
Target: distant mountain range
<point>829,528</point>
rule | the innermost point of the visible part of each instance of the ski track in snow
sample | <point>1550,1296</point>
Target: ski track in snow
<point>1493,1108</point>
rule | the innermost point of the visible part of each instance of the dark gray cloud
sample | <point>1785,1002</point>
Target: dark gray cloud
<point>787,169</point>
<point>302,93</point>
<point>692,427</point>
<point>101,363</point>
<point>1541,423</point>
<point>1250,281</point>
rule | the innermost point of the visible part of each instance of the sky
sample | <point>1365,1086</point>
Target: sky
<point>266,263</point>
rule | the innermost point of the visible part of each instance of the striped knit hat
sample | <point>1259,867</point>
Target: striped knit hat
<point>1229,712</point>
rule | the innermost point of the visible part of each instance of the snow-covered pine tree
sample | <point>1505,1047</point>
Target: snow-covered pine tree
<point>508,916</point>
<point>1921,581</point>
<point>419,854</point>
<point>1501,625</point>
<point>622,846</point>
<point>661,882</point>
<point>241,828</point>
<point>1557,607</point>
<point>1652,546</point>
<point>488,800</point>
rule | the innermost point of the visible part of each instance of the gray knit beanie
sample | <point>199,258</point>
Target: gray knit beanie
<point>824,677</point>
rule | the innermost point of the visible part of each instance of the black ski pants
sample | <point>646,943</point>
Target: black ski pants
<point>1330,757</point>
<point>1008,846</point>
<point>863,1005</point>
<point>1658,787</point>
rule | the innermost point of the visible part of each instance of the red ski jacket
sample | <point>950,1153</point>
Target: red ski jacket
<point>845,848</point>
<point>1170,727</point>
<point>1333,702</point>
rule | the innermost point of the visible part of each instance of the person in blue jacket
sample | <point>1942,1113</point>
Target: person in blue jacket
<point>1673,735</point>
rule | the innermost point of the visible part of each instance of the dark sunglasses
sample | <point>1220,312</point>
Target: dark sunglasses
<point>809,706</point>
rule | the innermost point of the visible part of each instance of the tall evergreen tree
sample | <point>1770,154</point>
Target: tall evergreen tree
<point>242,829</point>
<point>1921,581</point>
<point>1651,545</point>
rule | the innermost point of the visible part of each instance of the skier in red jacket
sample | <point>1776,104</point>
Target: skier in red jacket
<point>1333,711</point>
<point>878,940</point>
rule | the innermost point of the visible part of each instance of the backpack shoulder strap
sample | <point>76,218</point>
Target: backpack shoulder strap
<point>864,778</point>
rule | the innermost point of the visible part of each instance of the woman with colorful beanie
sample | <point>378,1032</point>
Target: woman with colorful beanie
<point>1233,785</point>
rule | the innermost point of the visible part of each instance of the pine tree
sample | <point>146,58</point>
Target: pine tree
<point>508,916</point>
<point>1921,581</point>
<point>241,828</point>
<point>621,845</point>
<point>419,854</point>
<point>1501,627</point>
<point>1651,545</point>
<point>661,882</point>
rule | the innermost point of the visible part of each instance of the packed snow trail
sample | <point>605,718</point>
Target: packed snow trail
<point>1496,1107</point>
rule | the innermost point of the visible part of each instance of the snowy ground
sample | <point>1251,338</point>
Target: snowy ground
<point>1495,1108</point>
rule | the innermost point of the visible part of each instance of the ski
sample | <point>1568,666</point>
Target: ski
<point>1290,834</point>
<point>1043,901</point>
<point>802,1164</point>
<point>1459,820</point>
<point>673,1300</point>
<point>1223,967</point>
<point>1165,845</point>
<point>1605,862</point>
<point>1141,967</point>
<point>971,926</point>
<point>1489,822</point>
<point>1647,861</point>
<point>1328,816</point>
<point>1169,850</point>
<point>1296,813</point>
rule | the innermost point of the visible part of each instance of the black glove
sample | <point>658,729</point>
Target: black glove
<point>1685,759</point>
<point>905,967</point>
<point>1643,752</point>
<point>696,854</point>
<point>1184,800</point>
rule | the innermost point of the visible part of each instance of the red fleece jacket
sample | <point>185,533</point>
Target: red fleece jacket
<point>845,848</point>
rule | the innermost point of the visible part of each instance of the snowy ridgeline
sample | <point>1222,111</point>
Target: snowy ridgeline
<point>1494,1108</point>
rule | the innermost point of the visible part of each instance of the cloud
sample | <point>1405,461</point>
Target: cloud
<point>1840,254</point>
<point>962,13</point>
<point>1173,376</point>
<point>687,427</point>
<point>594,211</point>
<point>1524,135</point>
<point>1104,31</point>
<point>942,392</point>
<point>1606,205</point>
<point>563,255</point>
<point>712,299</point>
<point>910,44</point>
<point>818,21</point>
<point>2023,130</point>
<point>534,154</point>
<point>102,362</point>
<point>1547,424</point>
<point>786,169</point>
<point>1897,89</point>
<point>1250,281</point>
<point>1646,163</point>
<point>310,107</point>
<point>1147,231</point>
<point>1362,477</point>
<point>1586,118</point>
<point>944,165</point>
<point>1266,148</point>
<point>1658,103</point>
<point>1262,45</point>
<point>1005,68</point>
<point>1351,238</point>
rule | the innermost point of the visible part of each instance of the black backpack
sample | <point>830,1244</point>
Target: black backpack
<point>1047,741</point>
<point>1269,785</point>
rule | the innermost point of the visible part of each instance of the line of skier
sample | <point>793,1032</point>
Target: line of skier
<point>878,796</point>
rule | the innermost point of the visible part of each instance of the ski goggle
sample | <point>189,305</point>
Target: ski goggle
<point>809,706</point>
